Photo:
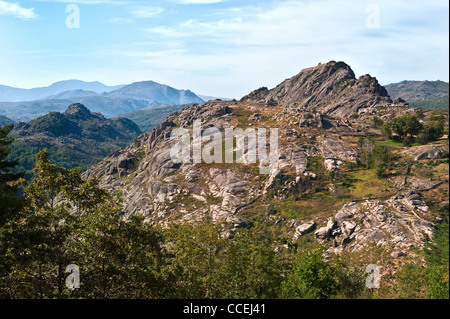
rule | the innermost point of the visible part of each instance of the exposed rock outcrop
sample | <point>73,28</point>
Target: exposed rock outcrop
<point>329,88</point>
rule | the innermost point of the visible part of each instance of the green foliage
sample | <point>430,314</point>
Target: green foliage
<point>436,103</point>
<point>437,258</point>
<point>198,251</point>
<point>69,220</point>
<point>410,130</point>
<point>10,203</point>
<point>54,123</point>
<point>406,125</point>
<point>377,122</point>
<point>310,278</point>
<point>251,269</point>
<point>72,140</point>
<point>375,156</point>
<point>438,281</point>
<point>386,129</point>
<point>411,282</point>
<point>433,129</point>
<point>119,259</point>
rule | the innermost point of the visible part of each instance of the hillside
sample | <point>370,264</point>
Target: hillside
<point>5,121</point>
<point>436,103</point>
<point>335,181</point>
<point>75,138</point>
<point>149,118</point>
<point>424,94</point>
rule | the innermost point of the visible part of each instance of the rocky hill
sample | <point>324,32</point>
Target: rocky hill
<point>330,88</point>
<point>418,91</point>
<point>321,192</point>
<point>75,138</point>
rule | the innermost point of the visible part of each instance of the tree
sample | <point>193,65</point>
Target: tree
<point>37,245</point>
<point>433,129</point>
<point>406,125</point>
<point>377,122</point>
<point>311,278</point>
<point>251,268</point>
<point>198,255</point>
<point>375,156</point>
<point>120,258</point>
<point>386,129</point>
<point>10,201</point>
<point>368,147</point>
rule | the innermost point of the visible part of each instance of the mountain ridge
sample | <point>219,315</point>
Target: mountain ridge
<point>424,94</point>
<point>76,137</point>
<point>13,94</point>
<point>128,98</point>
<point>331,88</point>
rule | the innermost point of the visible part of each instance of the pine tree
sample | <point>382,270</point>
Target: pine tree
<point>10,201</point>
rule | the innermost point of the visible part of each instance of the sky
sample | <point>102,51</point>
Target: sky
<point>222,48</point>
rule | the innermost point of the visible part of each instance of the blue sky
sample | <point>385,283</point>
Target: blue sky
<point>223,48</point>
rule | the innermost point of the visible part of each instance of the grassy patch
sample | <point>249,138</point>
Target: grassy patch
<point>365,183</point>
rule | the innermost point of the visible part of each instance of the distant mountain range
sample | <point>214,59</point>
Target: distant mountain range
<point>74,138</point>
<point>211,98</point>
<point>12,94</point>
<point>109,100</point>
<point>424,94</point>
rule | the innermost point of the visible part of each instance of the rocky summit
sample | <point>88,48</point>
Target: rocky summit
<point>330,88</point>
<point>323,188</point>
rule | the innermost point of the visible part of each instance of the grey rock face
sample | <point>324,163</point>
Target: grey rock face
<point>395,222</point>
<point>330,88</point>
<point>324,233</point>
<point>304,229</point>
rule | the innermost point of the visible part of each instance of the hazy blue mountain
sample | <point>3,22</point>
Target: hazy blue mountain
<point>151,117</point>
<point>209,98</point>
<point>5,121</point>
<point>11,94</point>
<point>129,98</point>
<point>158,93</point>
<point>71,94</point>
<point>26,111</point>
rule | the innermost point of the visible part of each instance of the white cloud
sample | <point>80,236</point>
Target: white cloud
<point>146,11</point>
<point>16,10</point>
